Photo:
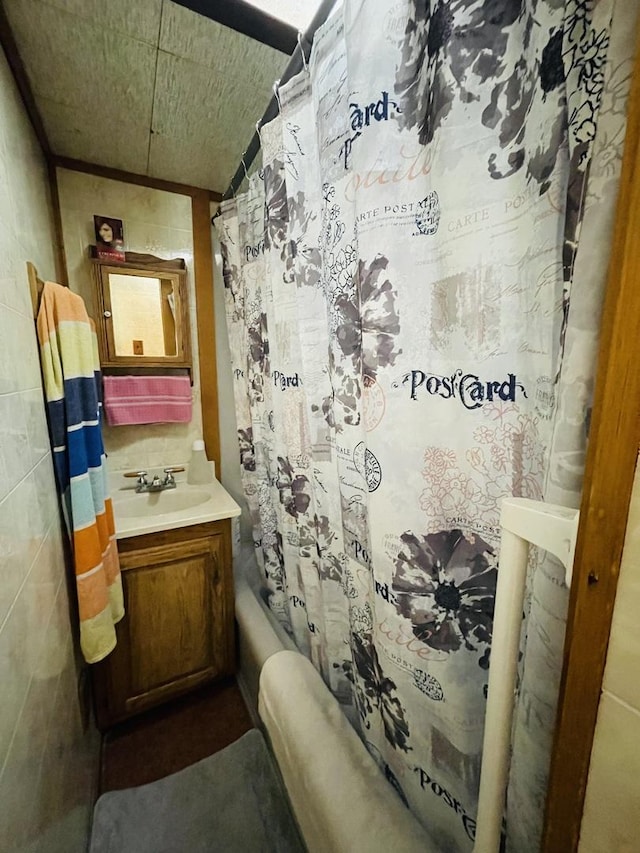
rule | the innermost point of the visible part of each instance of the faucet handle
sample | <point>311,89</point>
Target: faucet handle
<point>141,478</point>
<point>169,472</point>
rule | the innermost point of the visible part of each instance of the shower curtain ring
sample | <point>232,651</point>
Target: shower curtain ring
<point>304,58</point>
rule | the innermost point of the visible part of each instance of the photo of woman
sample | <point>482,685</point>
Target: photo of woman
<point>109,238</point>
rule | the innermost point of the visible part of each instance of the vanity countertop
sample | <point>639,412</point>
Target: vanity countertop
<point>148,512</point>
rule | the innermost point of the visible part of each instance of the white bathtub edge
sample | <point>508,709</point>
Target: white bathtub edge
<point>341,800</point>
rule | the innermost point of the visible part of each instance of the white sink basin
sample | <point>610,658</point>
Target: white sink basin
<point>151,512</point>
<point>161,503</point>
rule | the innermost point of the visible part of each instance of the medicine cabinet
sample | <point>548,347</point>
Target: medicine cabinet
<point>143,312</point>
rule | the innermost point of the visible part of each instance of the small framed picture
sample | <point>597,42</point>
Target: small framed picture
<point>109,238</point>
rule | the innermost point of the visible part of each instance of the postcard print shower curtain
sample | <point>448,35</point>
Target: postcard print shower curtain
<point>398,282</point>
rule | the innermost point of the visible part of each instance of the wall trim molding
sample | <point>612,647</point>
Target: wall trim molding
<point>19,72</point>
<point>205,320</point>
<point>132,178</point>
<point>62,274</point>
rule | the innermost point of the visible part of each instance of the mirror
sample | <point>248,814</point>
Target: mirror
<point>144,316</point>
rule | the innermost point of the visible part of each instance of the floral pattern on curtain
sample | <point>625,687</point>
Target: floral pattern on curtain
<point>400,281</point>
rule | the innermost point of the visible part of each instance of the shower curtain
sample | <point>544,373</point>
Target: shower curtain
<point>413,325</point>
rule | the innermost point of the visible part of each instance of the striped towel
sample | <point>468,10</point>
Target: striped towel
<point>71,372</point>
<point>147,399</point>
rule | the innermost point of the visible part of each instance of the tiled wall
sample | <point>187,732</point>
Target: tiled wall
<point>155,222</point>
<point>611,820</point>
<point>48,764</point>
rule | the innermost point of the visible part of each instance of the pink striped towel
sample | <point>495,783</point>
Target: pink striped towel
<point>147,399</point>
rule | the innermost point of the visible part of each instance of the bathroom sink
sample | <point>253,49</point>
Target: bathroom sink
<point>160,503</point>
<point>151,512</point>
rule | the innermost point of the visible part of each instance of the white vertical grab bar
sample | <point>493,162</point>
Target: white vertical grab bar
<point>505,643</point>
<point>553,528</point>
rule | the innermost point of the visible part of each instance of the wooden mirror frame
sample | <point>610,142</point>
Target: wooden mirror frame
<point>144,266</point>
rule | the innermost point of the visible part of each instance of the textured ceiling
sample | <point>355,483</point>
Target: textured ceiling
<point>149,87</point>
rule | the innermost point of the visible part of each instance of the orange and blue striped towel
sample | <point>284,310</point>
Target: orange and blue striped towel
<point>71,372</point>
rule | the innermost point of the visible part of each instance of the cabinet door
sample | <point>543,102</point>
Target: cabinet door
<point>175,632</point>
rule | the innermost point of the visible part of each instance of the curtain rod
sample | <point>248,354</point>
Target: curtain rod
<point>296,63</point>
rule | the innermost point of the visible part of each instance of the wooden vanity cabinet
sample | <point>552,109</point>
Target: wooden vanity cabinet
<point>178,628</point>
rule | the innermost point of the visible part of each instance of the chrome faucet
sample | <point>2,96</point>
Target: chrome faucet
<point>156,485</point>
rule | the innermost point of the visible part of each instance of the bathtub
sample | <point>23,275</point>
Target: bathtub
<point>260,635</point>
<point>340,799</point>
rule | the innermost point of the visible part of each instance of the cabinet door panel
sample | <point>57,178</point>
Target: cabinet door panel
<point>174,604</point>
<point>172,609</point>
<point>177,632</point>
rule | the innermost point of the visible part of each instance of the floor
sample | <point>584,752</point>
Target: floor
<point>173,736</point>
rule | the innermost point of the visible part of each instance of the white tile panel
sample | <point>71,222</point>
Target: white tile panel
<point>11,563</point>
<point>31,558</point>
<point>79,191</point>
<point>15,439</point>
<point>623,656</point>
<point>148,238</point>
<point>33,403</point>
<point>14,675</point>
<point>611,818</point>
<point>45,510</point>
<point>22,784</point>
